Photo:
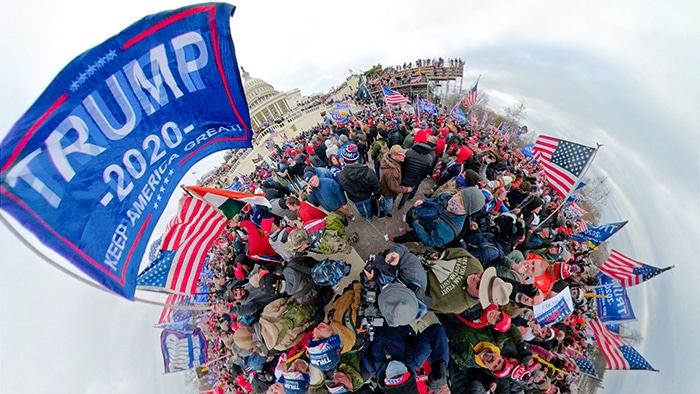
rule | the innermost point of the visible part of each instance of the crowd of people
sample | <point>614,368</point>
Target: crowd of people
<point>445,306</point>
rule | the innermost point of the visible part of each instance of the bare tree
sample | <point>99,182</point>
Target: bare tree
<point>630,336</point>
<point>516,113</point>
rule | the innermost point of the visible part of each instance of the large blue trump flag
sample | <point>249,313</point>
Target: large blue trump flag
<point>91,165</point>
<point>613,304</point>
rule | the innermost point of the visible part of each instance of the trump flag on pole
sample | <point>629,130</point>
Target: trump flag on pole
<point>182,351</point>
<point>614,304</point>
<point>107,141</point>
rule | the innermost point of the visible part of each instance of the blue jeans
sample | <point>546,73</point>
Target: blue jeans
<point>431,344</point>
<point>409,195</point>
<point>388,204</point>
<point>365,208</point>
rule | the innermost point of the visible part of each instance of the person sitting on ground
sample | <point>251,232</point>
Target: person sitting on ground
<point>438,221</point>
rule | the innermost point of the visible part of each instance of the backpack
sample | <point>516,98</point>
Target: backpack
<point>283,323</point>
<point>325,273</point>
<point>329,272</point>
<point>482,246</point>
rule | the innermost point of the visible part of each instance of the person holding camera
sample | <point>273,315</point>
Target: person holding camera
<point>397,265</point>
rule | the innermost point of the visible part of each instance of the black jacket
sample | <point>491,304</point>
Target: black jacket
<point>359,182</point>
<point>417,164</point>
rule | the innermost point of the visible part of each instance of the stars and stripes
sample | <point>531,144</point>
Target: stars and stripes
<point>585,366</point>
<point>573,211</point>
<point>617,354</point>
<point>470,98</point>
<point>581,225</point>
<point>563,161</point>
<point>166,316</point>
<point>393,97</point>
<point>185,246</point>
<point>627,271</point>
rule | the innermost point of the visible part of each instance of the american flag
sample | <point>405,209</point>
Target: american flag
<point>416,79</point>
<point>573,211</point>
<point>627,271</point>
<point>470,98</point>
<point>166,316</point>
<point>563,161</point>
<point>185,246</point>
<point>617,354</point>
<point>393,97</point>
<point>585,366</point>
<point>581,225</point>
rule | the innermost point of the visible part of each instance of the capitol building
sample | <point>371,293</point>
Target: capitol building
<point>265,104</point>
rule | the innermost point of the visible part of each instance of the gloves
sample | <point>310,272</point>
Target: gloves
<point>438,375</point>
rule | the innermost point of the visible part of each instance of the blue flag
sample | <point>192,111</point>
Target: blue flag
<point>182,326</point>
<point>458,114</point>
<point>90,166</point>
<point>427,106</point>
<point>182,351</point>
<point>597,234</point>
<point>613,327</point>
<point>616,305</point>
<point>527,151</point>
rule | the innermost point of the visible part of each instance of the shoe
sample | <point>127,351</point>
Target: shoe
<point>353,238</point>
<point>352,218</point>
<point>344,220</point>
<point>391,238</point>
<point>401,204</point>
<point>388,215</point>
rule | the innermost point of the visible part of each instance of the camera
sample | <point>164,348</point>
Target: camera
<point>369,309</point>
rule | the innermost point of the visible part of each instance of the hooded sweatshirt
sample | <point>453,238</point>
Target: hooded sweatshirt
<point>447,279</point>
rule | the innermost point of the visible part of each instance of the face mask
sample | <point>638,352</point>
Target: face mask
<point>454,206</point>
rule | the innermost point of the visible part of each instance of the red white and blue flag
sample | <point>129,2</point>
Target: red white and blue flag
<point>470,98</point>
<point>617,354</point>
<point>106,142</point>
<point>184,250</point>
<point>393,97</point>
<point>166,316</point>
<point>627,271</point>
<point>563,162</point>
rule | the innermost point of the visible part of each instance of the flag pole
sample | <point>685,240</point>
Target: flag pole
<point>578,181</point>
<point>75,276</point>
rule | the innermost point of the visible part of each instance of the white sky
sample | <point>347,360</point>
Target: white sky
<point>621,73</point>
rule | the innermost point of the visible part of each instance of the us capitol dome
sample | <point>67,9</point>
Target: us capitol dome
<point>265,104</point>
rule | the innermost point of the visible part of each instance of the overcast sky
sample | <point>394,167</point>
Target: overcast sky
<point>623,74</point>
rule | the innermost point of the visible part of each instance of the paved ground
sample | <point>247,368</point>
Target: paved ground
<point>372,233</point>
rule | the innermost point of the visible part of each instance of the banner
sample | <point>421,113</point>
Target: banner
<point>183,351</point>
<point>555,309</point>
<point>615,304</point>
<point>90,166</point>
<point>596,235</point>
